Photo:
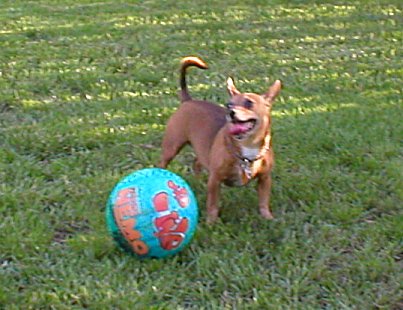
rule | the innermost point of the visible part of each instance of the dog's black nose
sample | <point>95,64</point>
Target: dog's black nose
<point>232,114</point>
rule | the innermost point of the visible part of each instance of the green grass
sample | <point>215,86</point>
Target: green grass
<point>85,90</point>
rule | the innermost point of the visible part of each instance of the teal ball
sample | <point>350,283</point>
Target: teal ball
<point>152,213</point>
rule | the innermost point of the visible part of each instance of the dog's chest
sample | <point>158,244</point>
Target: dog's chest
<point>244,171</point>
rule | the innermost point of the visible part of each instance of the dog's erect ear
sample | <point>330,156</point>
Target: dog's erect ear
<point>231,87</point>
<point>273,91</point>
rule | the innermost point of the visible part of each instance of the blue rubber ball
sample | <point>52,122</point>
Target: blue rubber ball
<point>152,213</point>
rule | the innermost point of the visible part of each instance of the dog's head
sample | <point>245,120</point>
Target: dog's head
<point>249,113</point>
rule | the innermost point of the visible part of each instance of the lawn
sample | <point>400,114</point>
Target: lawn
<point>86,88</point>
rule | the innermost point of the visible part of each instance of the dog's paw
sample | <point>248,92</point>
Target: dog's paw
<point>212,217</point>
<point>265,213</point>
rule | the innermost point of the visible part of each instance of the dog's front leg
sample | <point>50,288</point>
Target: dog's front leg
<point>213,192</point>
<point>264,188</point>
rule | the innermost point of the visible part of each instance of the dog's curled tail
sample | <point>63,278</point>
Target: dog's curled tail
<point>185,63</point>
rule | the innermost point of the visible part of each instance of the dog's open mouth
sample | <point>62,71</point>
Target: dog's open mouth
<point>238,127</point>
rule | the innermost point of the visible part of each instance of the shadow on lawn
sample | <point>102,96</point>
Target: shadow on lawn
<point>92,92</point>
<point>81,107</point>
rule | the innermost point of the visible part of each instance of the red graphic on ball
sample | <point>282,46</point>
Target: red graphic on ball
<point>125,212</point>
<point>171,228</point>
<point>180,193</point>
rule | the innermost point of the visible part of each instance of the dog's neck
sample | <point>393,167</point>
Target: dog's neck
<point>249,152</point>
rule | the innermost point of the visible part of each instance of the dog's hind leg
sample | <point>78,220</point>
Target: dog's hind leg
<point>171,146</point>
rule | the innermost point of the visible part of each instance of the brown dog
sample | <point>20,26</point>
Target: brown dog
<point>233,144</point>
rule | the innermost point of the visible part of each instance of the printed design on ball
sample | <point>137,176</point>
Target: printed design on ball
<point>180,193</point>
<point>171,228</point>
<point>125,211</point>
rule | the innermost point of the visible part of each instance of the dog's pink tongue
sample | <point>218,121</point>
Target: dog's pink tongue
<point>236,129</point>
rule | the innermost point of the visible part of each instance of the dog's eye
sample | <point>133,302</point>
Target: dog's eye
<point>248,104</point>
<point>229,105</point>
